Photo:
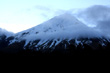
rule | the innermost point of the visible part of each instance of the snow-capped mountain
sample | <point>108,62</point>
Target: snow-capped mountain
<point>64,32</point>
<point>59,32</point>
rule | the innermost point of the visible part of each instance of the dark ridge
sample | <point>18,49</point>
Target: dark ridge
<point>71,50</point>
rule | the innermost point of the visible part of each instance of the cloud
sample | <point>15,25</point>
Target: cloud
<point>98,15</point>
<point>48,12</point>
<point>44,11</point>
<point>43,8</point>
<point>104,26</point>
<point>95,14</point>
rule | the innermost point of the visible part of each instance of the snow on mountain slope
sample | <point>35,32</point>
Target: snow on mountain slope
<point>63,26</point>
<point>56,30</point>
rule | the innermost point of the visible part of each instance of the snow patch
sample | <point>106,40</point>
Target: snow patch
<point>77,42</point>
<point>57,42</point>
<point>52,44</point>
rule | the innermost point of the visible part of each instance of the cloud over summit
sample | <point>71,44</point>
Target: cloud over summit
<point>97,15</point>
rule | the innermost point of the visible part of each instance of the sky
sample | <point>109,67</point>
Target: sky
<point>19,15</point>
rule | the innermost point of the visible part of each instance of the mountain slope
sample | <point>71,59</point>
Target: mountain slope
<point>63,26</point>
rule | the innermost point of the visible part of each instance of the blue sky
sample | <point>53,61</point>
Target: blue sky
<point>18,15</point>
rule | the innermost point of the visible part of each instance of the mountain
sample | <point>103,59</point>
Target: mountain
<point>61,34</point>
<point>5,37</point>
<point>5,32</point>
